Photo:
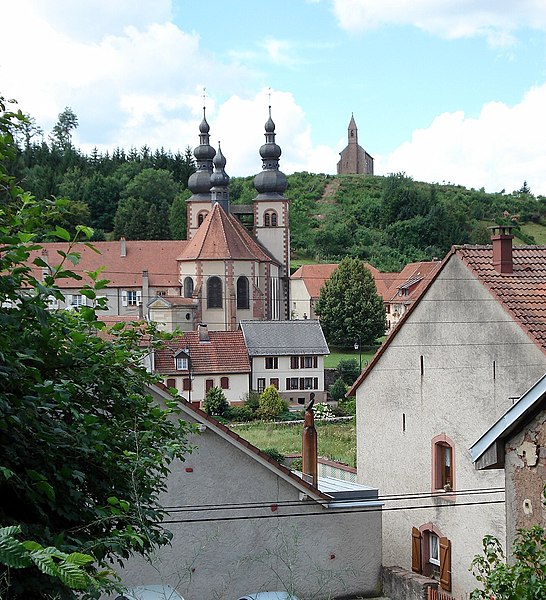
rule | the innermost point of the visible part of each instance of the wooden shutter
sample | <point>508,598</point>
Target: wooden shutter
<point>209,383</point>
<point>124,298</point>
<point>445,564</point>
<point>224,383</point>
<point>186,384</point>
<point>288,383</point>
<point>171,383</point>
<point>416,538</point>
<point>139,297</point>
<point>315,383</point>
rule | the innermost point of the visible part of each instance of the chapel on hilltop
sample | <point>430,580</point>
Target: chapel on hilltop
<point>354,159</point>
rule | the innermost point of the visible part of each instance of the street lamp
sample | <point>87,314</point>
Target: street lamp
<point>358,346</point>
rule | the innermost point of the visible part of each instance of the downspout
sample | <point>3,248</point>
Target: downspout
<point>309,445</point>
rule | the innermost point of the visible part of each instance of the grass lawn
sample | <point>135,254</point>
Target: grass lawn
<point>336,441</point>
<point>536,230</point>
<point>337,354</point>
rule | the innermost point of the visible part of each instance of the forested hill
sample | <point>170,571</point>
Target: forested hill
<point>387,221</point>
<point>390,221</point>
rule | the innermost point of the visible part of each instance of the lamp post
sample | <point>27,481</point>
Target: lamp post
<point>358,346</point>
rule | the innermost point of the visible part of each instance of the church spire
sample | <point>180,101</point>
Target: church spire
<point>199,182</point>
<point>271,182</point>
<point>220,181</point>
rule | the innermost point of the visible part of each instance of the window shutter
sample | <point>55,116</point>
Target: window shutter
<point>302,362</point>
<point>171,383</point>
<point>209,384</point>
<point>445,564</point>
<point>315,383</point>
<point>288,383</point>
<point>124,298</point>
<point>416,566</point>
<point>186,385</point>
<point>315,362</point>
<point>68,300</point>
<point>83,300</point>
<point>302,383</point>
<point>224,383</point>
<point>139,297</point>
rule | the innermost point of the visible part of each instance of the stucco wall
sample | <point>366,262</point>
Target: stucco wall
<point>453,368</point>
<point>525,470</point>
<point>318,556</point>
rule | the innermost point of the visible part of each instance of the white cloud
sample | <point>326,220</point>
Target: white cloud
<point>496,20</point>
<point>501,148</point>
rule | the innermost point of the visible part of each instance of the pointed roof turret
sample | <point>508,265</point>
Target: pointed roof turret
<point>220,181</point>
<point>199,182</point>
<point>271,182</point>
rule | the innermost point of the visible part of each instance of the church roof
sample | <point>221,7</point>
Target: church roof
<point>222,237</point>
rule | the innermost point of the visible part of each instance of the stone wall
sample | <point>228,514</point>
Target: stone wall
<point>405,585</point>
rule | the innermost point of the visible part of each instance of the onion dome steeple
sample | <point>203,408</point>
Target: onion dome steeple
<point>199,182</point>
<point>220,181</point>
<point>271,182</point>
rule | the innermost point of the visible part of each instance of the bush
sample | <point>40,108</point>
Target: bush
<point>275,454</point>
<point>239,413</point>
<point>271,404</point>
<point>348,370</point>
<point>215,402</point>
<point>348,406</point>
<point>297,464</point>
<point>252,401</point>
<point>338,389</point>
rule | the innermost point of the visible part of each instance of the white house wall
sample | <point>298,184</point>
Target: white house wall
<point>300,300</point>
<point>317,556</point>
<point>475,361</point>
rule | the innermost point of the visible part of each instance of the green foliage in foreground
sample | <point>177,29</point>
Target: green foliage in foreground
<point>84,450</point>
<point>215,402</point>
<point>524,579</point>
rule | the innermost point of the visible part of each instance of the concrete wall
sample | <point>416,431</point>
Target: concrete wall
<point>453,368</point>
<point>317,553</point>
<point>525,470</point>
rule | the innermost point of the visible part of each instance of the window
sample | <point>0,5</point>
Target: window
<point>161,293</point>
<point>188,287</point>
<point>131,297</point>
<point>274,381</point>
<point>181,363</point>
<point>201,217</point>
<point>261,384</point>
<point>171,383</point>
<point>224,383</point>
<point>443,464</point>
<point>242,293</point>
<point>292,383</point>
<point>431,554</point>
<point>309,362</point>
<point>270,219</point>
<point>308,383</point>
<point>209,384</point>
<point>294,362</point>
<point>214,292</point>
<point>186,384</point>
<point>271,362</point>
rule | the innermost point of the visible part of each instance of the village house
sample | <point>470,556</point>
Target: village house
<point>242,522</point>
<point>472,343</point>
<point>201,360</point>
<point>517,444</point>
<point>288,355</point>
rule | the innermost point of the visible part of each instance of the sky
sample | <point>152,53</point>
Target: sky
<point>442,90</point>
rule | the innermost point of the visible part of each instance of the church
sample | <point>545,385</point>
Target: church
<point>221,274</point>
<point>354,159</point>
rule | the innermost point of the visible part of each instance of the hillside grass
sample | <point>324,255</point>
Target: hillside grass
<point>338,354</point>
<point>336,441</point>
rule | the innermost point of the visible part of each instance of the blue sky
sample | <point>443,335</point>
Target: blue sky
<point>444,90</point>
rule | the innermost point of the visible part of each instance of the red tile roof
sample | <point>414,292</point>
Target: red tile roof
<point>315,276</point>
<point>222,237</point>
<point>157,257</point>
<point>225,353</point>
<point>522,292</point>
<point>413,277</point>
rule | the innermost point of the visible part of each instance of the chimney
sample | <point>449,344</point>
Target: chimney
<point>203,333</point>
<point>122,247</point>
<point>145,293</point>
<point>501,237</point>
<point>309,445</point>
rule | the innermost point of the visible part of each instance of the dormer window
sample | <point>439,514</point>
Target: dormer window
<point>181,361</point>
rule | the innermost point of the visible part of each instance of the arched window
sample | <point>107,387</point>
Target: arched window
<point>270,219</point>
<point>201,217</point>
<point>431,554</point>
<point>443,463</point>
<point>214,292</point>
<point>188,287</point>
<point>242,293</point>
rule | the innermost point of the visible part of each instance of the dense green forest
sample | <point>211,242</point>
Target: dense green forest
<point>387,221</point>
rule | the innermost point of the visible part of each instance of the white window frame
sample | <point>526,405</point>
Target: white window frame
<point>433,549</point>
<point>131,297</point>
<point>181,363</point>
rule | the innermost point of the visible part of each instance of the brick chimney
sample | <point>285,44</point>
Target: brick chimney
<point>501,238</point>
<point>309,446</point>
<point>203,333</point>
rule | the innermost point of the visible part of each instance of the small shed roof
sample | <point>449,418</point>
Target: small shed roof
<point>284,338</point>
